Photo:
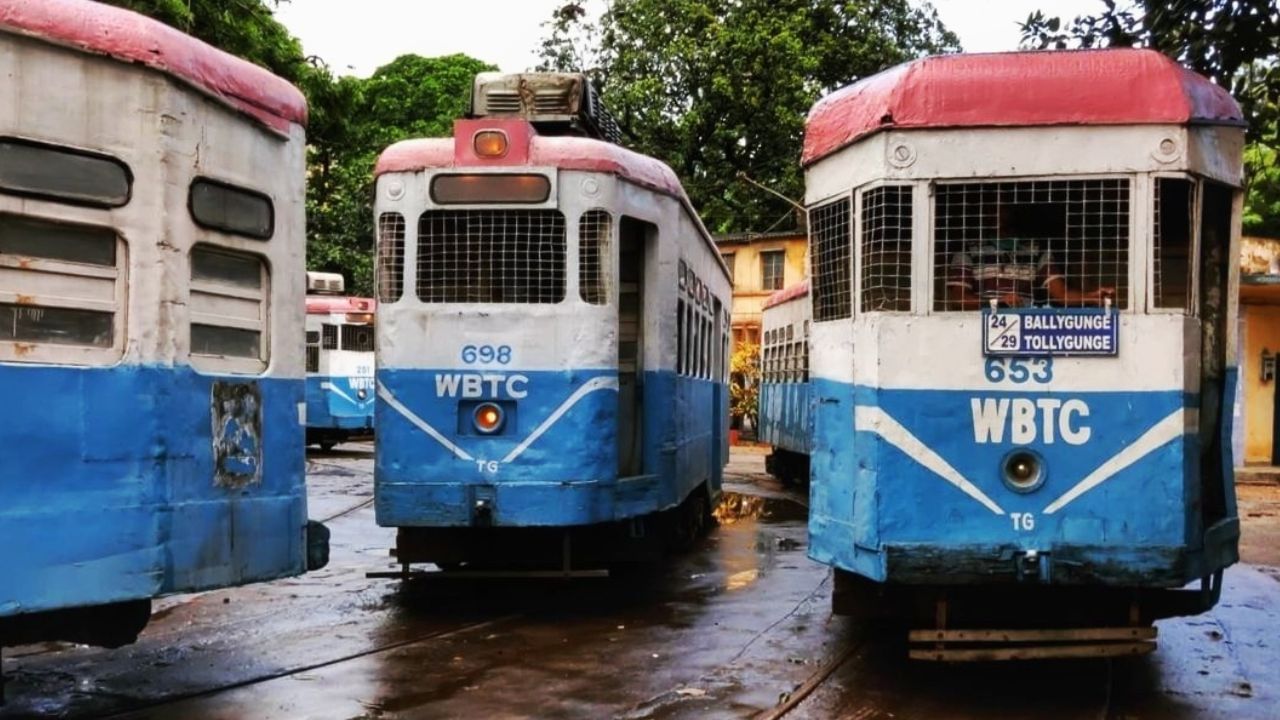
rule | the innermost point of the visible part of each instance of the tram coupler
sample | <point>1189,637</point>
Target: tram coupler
<point>1033,566</point>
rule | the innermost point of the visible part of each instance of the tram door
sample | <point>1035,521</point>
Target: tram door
<point>631,271</point>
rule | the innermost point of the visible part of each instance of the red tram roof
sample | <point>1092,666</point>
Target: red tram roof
<point>325,304</point>
<point>792,292</point>
<point>127,36</point>
<point>1018,89</point>
<point>529,148</point>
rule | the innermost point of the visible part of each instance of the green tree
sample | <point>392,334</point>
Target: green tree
<point>1234,42</point>
<point>721,87</point>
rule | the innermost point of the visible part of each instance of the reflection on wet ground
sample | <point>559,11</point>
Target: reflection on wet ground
<point>727,630</point>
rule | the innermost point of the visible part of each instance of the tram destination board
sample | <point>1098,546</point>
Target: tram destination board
<point>1032,332</point>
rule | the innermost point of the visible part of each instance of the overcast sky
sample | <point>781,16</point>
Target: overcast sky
<point>357,37</point>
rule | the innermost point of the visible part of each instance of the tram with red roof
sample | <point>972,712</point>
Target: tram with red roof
<point>339,362</point>
<point>552,340</point>
<point>786,410</point>
<point>1023,348</point>
<point>151,295</point>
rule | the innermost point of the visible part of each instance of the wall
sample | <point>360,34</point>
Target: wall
<point>748,295</point>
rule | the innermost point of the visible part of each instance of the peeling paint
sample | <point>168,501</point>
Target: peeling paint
<point>237,434</point>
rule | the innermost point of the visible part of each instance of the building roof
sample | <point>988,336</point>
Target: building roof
<point>750,237</point>
<point>792,292</point>
<point>1020,89</point>
<point>132,38</point>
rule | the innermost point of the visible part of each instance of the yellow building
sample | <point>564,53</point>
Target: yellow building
<point>1255,443</point>
<point>760,265</point>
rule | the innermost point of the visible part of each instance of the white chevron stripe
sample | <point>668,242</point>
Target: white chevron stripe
<point>422,425</point>
<point>1159,434</point>
<point>334,388</point>
<point>598,383</point>
<point>873,419</point>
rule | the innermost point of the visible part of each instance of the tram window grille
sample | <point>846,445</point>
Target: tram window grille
<point>886,249</point>
<point>329,336</point>
<point>832,261</point>
<point>313,358</point>
<point>1056,243</point>
<point>491,256</point>
<point>390,277</point>
<point>680,336</point>
<point>357,338</point>
<point>1171,271</point>
<point>593,256</point>
<point>313,337</point>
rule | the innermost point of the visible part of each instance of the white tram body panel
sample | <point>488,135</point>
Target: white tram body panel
<point>1113,394</point>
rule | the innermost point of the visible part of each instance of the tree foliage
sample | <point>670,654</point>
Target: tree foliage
<point>350,119</point>
<point>1234,42</point>
<point>721,87</point>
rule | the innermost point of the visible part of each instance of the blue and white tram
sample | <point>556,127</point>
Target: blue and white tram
<point>1023,347</point>
<point>339,362</point>
<point>151,260</point>
<point>552,335</point>
<point>786,415</point>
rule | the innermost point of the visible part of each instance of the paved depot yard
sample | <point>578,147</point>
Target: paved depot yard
<point>724,631</point>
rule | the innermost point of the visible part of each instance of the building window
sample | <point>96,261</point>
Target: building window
<point>771,266</point>
<point>728,261</point>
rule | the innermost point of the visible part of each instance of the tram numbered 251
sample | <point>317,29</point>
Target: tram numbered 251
<point>786,413</point>
<point>1023,348</point>
<point>552,341</point>
<point>151,260</point>
<point>339,368</point>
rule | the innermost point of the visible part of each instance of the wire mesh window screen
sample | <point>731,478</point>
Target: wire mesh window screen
<point>1171,271</point>
<point>390,277</point>
<point>313,358</point>
<point>357,338</point>
<point>832,262</point>
<point>593,256</point>
<point>491,256</point>
<point>329,336</point>
<point>1055,243</point>
<point>886,249</point>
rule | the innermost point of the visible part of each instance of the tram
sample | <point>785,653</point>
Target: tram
<point>1024,290</point>
<point>151,260</point>
<point>553,340</point>
<point>339,362</point>
<point>786,416</point>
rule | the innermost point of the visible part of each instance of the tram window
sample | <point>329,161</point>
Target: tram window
<point>832,261</point>
<point>593,256</point>
<point>57,241</point>
<point>57,325</point>
<point>1057,243</point>
<point>228,309</point>
<point>64,174</point>
<point>313,337</point>
<point>357,338</point>
<point>390,276</point>
<point>886,249</point>
<point>220,206</point>
<point>313,358</point>
<point>329,336</point>
<point>1171,272</point>
<point>680,336</point>
<point>491,256</point>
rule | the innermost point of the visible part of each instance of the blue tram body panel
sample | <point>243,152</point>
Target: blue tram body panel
<point>139,481</point>
<point>786,416</point>
<point>334,402</point>
<point>555,460</point>
<point>926,501</point>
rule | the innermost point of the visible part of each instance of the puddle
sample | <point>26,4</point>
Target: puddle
<point>735,507</point>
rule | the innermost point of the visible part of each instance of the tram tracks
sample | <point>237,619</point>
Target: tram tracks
<point>435,635</point>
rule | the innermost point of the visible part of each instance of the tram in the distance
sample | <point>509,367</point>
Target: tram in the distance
<point>339,362</point>
<point>786,413</point>
<point>552,340</point>
<point>1024,288</point>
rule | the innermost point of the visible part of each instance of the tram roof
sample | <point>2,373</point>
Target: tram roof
<point>325,304</point>
<point>1123,86</point>
<point>790,292</point>
<point>565,152</point>
<point>133,38</point>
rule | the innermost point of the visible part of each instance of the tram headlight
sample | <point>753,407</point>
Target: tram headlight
<point>1022,471</point>
<point>488,418</point>
<point>490,143</point>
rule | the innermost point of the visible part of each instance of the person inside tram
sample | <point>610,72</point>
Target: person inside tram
<point>1014,270</point>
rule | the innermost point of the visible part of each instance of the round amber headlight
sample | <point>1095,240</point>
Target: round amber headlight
<point>488,418</point>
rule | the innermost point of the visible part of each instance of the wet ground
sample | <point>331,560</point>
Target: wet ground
<point>727,630</point>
